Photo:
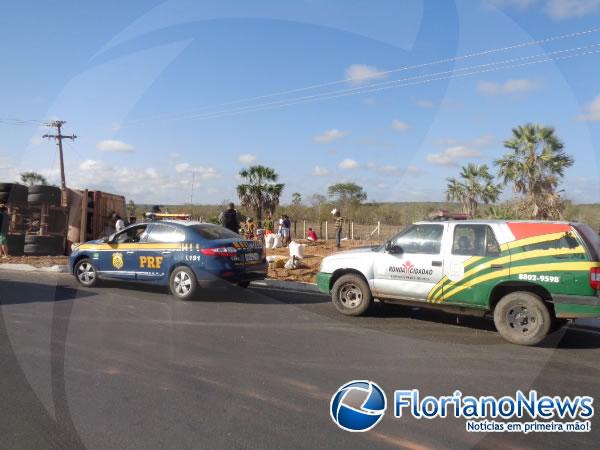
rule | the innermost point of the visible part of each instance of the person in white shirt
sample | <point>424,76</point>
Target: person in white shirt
<point>119,223</point>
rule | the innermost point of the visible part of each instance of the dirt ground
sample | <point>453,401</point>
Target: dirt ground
<point>313,254</point>
<point>36,261</point>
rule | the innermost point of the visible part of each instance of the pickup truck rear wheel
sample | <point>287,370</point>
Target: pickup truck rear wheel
<point>522,318</point>
<point>351,295</point>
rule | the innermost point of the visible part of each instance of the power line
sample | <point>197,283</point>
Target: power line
<point>385,72</point>
<point>409,81</point>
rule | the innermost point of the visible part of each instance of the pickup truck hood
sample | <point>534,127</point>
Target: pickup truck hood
<point>356,258</point>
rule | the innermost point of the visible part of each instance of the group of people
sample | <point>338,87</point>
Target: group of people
<point>230,219</point>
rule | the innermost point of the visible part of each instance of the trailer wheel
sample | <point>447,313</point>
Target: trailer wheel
<point>44,245</point>
<point>13,193</point>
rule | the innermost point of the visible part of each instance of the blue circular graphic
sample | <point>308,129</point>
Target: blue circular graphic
<point>358,405</point>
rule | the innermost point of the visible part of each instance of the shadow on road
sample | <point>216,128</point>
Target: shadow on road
<point>20,292</point>
<point>226,292</point>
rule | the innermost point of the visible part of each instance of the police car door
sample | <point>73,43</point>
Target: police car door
<point>119,261</point>
<point>156,256</point>
<point>412,263</point>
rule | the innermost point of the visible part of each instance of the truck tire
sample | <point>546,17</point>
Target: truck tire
<point>85,272</point>
<point>44,245</point>
<point>13,194</point>
<point>522,318</point>
<point>351,295</point>
<point>182,283</point>
<point>15,244</point>
<point>43,195</point>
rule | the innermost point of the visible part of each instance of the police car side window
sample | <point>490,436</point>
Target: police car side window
<point>421,239</point>
<point>130,235</point>
<point>164,233</point>
<point>474,240</point>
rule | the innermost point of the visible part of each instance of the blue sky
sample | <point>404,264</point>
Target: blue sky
<point>165,93</point>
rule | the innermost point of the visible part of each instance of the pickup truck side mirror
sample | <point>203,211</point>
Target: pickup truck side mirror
<point>392,248</point>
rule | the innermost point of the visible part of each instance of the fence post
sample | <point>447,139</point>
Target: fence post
<point>352,231</point>
<point>378,230</point>
<point>326,231</point>
<point>304,228</point>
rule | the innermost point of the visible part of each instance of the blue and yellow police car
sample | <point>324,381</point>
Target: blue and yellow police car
<point>180,254</point>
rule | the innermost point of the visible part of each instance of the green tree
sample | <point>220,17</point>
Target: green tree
<point>296,198</point>
<point>32,178</point>
<point>535,167</point>
<point>476,185</point>
<point>346,195</point>
<point>131,208</point>
<point>260,191</point>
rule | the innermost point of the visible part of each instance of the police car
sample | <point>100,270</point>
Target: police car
<point>529,275</point>
<point>180,254</point>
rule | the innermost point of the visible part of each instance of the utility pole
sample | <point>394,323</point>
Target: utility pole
<point>58,137</point>
<point>192,194</point>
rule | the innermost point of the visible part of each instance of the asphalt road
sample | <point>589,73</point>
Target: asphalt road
<point>130,367</point>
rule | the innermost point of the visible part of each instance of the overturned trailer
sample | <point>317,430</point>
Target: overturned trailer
<point>90,214</point>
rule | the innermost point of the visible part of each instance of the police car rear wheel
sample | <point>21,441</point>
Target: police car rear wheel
<point>183,283</point>
<point>522,318</point>
<point>86,273</point>
<point>351,295</point>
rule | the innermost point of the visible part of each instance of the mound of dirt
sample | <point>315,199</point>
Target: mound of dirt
<point>314,252</point>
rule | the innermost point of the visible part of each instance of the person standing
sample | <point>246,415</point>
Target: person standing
<point>339,222</point>
<point>287,225</point>
<point>119,222</point>
<point>4,223</point>
<point>230,219</point>
<point>268,224</point>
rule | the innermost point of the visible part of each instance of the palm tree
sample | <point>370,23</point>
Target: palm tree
<point>260,191</point>
<point>534,167</point>
<point>476,186</point>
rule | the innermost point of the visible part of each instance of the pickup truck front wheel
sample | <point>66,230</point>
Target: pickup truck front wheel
<point>522,318</point>
<point>351,295</point>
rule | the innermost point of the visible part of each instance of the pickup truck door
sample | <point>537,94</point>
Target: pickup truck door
<point>472,254</point>
<point>412,264</point>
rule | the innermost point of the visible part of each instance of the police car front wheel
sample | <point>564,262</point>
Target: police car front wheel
<point>522,318</point>
<point>183,283</point>
<point>351,295</point>
<point>86,273</point>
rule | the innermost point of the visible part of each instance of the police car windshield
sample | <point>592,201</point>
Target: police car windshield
<point>214,232</point>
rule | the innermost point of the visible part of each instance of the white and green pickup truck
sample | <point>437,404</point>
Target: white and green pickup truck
<point>530,275</point>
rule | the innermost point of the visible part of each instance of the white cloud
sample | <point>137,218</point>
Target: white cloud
<point>451,155</point>
<point>202,171</point>
<point>400,126</point>
<point>319,171</point>
<point>348,164</point>
<point>361,73</point>
<point>425,104</point>
<point>566,9</point>
<point>247,158</point>
<point>592,111</point>
<point>330,135</point>
<point>112,145</point>
<point>509,86</point>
